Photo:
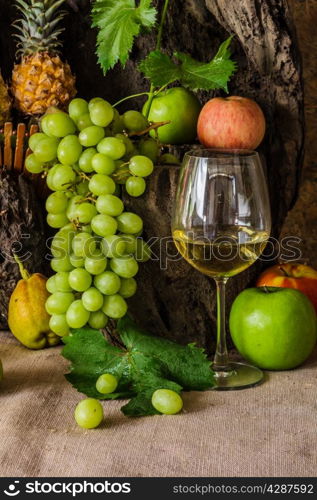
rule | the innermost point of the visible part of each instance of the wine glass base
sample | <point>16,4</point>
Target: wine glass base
<point>239,376</point>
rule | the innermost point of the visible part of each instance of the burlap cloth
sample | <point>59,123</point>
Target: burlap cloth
<point>269,430</point>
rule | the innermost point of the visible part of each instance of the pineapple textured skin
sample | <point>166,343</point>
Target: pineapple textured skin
<point>41,81</point>
<point>5,102</point>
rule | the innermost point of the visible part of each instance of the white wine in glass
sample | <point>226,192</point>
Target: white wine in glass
<point>221,224</point>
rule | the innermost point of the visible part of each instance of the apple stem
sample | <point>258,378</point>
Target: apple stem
<point>281,268</point>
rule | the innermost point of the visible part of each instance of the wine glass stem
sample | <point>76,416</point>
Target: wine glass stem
<point>221,362</point>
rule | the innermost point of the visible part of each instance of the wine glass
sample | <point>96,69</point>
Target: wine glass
<point>221,223</point>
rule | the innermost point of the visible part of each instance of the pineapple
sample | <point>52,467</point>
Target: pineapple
<point>5,102</point>
<point>41,79</point>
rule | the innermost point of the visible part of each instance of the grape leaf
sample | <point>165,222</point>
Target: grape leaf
<point>186,365</point>
<point>118,23</point>
<point>162,70</point>
<point>145,364</point>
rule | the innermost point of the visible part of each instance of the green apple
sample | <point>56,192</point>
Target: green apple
<point>273,328</point>
<point>179,106</point>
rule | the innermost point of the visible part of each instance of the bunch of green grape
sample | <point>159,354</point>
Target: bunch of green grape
<point>86,155</point>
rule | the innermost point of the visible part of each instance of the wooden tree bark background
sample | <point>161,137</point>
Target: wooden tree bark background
<point>177,301</point>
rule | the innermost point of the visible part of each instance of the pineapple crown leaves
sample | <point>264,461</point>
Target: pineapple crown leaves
<point>118,23</point>
<point>37,28</point>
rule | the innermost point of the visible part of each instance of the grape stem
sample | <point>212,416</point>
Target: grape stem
<point>84,176</point>
<point>153,126</point>
<point>129,97</point>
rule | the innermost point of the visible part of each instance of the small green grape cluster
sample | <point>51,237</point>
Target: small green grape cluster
<point>86,154</point>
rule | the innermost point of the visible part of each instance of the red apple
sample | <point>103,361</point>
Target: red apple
<point>298,276</point>
<point>232,123</point>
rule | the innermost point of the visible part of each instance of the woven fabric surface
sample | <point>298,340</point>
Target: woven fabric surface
<point>270,430</point>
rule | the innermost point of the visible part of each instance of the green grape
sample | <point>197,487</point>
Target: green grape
<point>141,166</point>
<point>106,383</point>
<point>94,100</point>
<point>77,107</point>
<point>168,159</point>
<point>72,206</point>
<point>82,188</point>
<point>84,212</point>
<point>56,203</point>
<point>33,164</point>
<point>59,302</point>
<point>104,225</point>
<point>115,306</point>
<point>117,191</point>
<point>101,113</point>
<point>43,125</point>
<point>130,243</point>
<point>77,316</point>
<point>112,147</point>
<point>150,148</point>
<point>135,186</point>
<point>56,220</point>
<point>88,413</point>
<point>83,244</point>
<point>85,160</point>
<point>125,267</point>
<point>103,164</point>
<point>51,284</point>
<point>69,228</point>
<point>77,261</point>
<point>80,280</point>
<point>92,299</point>
<point>63,177</point>
<point>129,146</point>
<point>62,243</point>
<point>128,287</point>
<point>50,177</point>
<point>86,228</point>
<point>61,282</point>
<point>90,136</point>
<point>61,264</point>
<point>96,263</point>
<point>58,324</point>
<point>134,121</point>
<point>113,246</point>
<point>101,184</point>
<point>35,139</point>
<point>108,283</point>
<point>116,126</point>
<point>167,401</point>
<point>98,320</point>
<point>143,252</point>
<point>130,223</point>
<point>58,124</point>
<point>109,204</point>
<point>46,149</point>
<point>84,121</point>
<point>69,150</point>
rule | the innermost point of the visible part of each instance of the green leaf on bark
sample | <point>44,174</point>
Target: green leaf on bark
<point>118,23</point>
<point>163,70</point>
